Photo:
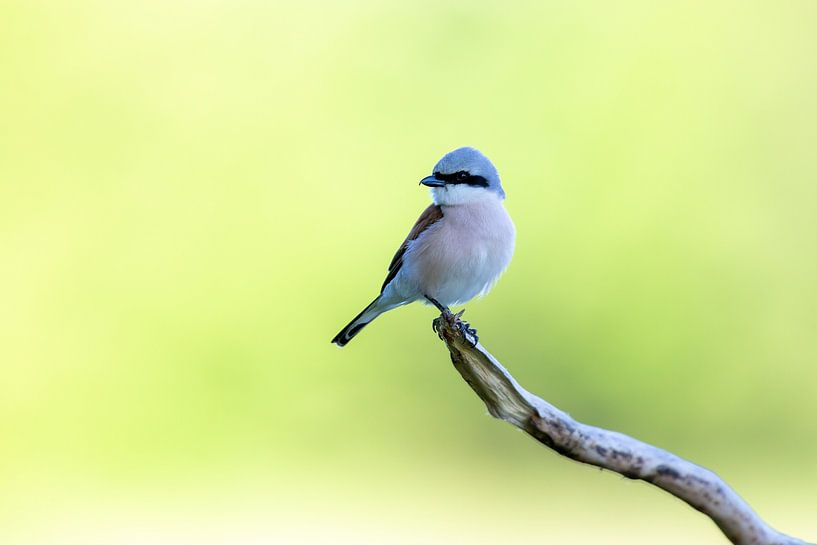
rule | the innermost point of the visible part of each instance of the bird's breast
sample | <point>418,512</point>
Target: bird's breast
<point>464,253</point>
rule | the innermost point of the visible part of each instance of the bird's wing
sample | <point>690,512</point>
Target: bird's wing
<point>430,215</point>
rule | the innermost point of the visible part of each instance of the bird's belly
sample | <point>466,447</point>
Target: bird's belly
<point>460,267</point>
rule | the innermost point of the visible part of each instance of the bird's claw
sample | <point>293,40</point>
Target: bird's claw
<point>468,332</point>
<point>446,316</point>
<point>436,325</point>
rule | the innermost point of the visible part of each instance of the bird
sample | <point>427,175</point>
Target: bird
<point>457,249</point>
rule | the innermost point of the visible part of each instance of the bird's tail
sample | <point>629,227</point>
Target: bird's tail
<point>360,321</point>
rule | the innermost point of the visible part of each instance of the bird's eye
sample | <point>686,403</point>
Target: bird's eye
<point>462,175</point>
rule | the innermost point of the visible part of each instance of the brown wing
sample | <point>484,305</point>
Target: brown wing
<point>430,215</point>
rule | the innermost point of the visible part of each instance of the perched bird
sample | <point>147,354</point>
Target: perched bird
<point>457,249</point>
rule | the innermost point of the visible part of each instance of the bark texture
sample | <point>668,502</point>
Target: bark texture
<point>634,459</point>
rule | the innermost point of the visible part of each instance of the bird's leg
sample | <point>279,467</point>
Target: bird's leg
<point>441,307</point>
<point>444,311</point>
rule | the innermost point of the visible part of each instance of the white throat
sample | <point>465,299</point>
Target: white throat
<point>461,194</point>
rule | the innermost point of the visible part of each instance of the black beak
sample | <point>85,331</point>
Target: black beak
<point>432,181</point>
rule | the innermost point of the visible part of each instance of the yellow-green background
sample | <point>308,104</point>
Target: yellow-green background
<point>196,195</point>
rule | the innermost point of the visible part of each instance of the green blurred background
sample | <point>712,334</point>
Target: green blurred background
<point>196,195</point>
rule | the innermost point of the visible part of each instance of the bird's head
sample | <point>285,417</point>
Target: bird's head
<point>462,176</point>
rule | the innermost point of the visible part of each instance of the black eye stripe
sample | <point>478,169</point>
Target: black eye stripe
<point>461,177</point>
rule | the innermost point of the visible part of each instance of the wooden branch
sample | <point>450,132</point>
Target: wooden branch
<point>699,487</point>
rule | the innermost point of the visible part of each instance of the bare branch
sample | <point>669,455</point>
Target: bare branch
<point>699,487</point>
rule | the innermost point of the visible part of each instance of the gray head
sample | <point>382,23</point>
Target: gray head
<point>464,175</point>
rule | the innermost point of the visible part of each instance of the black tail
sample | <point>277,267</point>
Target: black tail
<point>359,322</point>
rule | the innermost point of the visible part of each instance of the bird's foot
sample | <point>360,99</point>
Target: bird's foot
<point>451,319</point>
<point>445,314</point>
<point>436,325</point>
<point>465,328</point>
<point>468,332</point>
